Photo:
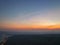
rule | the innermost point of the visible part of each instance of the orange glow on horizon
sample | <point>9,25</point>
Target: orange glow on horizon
<point>30,26</point>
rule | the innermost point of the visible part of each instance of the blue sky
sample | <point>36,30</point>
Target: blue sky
<point>45,12</point>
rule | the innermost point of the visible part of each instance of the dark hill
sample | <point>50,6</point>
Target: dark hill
<point>45,39</point>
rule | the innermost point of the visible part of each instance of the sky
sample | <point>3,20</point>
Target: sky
<point>29,14</point>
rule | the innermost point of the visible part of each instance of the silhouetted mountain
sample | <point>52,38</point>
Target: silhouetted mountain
<point>43,39</point>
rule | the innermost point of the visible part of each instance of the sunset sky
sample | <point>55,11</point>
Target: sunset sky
<point>21,14</point>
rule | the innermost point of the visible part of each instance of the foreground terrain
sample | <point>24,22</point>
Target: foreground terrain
<point>43,39</point>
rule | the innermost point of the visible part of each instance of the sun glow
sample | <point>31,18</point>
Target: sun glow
<point>20,26</point>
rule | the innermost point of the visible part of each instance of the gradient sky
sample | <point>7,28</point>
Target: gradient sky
<point>30,14</point>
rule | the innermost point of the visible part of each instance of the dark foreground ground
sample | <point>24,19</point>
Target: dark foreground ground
<point>43,39</point>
